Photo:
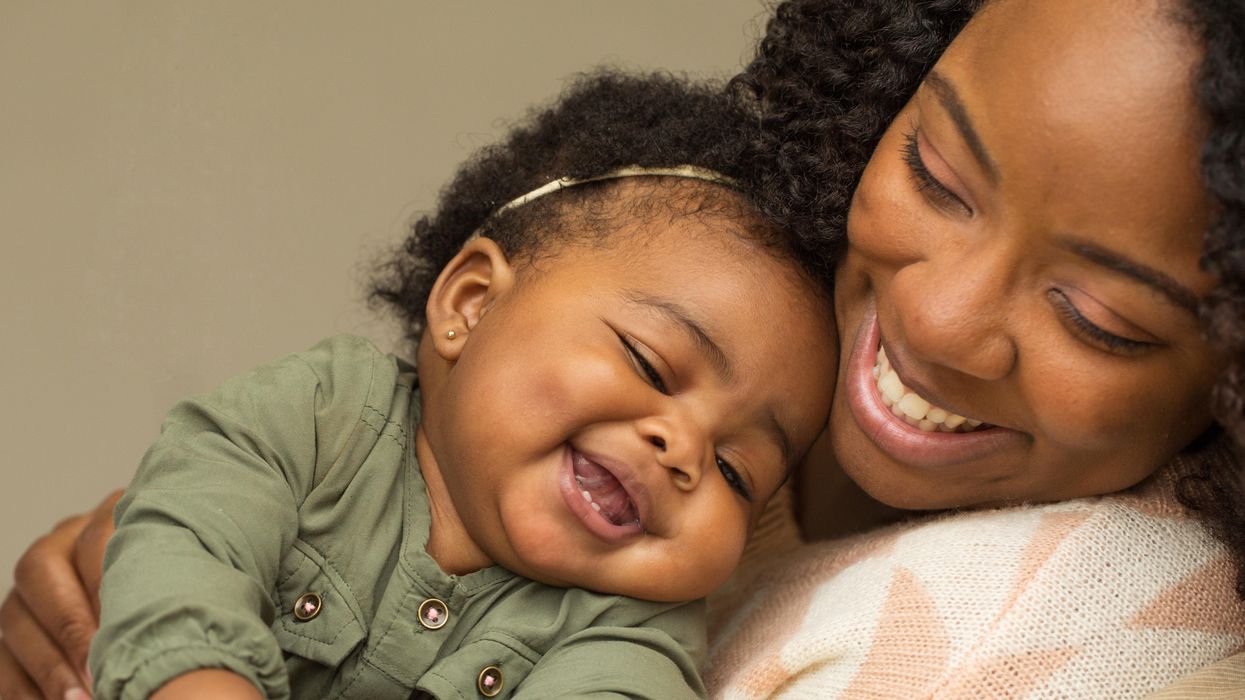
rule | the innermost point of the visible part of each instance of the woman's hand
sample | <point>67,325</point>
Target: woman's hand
<point>48,619</point>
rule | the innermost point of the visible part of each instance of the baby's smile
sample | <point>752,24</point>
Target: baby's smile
<point>603,491</point>
<point>605,495</point>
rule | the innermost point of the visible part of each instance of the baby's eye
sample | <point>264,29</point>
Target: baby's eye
<point>733,479</point>
<point>650,373</point>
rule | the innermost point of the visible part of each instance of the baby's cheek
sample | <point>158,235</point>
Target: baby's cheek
<point>582,390</point>
<point>722,551</point>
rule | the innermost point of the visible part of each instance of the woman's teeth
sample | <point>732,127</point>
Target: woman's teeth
<point>913,409</point>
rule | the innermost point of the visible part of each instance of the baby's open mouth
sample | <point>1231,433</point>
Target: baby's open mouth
<point>603,491</point>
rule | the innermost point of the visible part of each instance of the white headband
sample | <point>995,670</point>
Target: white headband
<point>688,171</point>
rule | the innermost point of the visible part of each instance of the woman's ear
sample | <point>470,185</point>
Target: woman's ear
<point>467,287</point>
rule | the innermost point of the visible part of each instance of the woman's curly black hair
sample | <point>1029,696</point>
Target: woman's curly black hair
<point>604,120</point>
<point>830,76</point>
<point>1216,488</point>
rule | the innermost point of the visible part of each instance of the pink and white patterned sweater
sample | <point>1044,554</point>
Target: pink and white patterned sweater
<point>1114,597</point>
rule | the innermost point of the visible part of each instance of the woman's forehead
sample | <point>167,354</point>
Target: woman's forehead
<point>1081,59</point>
<point>1088,108</point>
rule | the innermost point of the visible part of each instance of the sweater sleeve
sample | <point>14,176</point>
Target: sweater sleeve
<point>1107,597</point>
<point>203,525</point>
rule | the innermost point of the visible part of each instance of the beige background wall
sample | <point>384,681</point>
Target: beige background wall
<point>190,188</point>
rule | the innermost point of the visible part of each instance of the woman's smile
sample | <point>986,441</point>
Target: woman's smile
<point>902,423</point>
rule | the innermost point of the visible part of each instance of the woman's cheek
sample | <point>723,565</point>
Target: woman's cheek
<point>886,222</point>
<point>1107,408</point>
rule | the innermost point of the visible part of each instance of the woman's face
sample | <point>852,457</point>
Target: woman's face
<point>1024,252</point>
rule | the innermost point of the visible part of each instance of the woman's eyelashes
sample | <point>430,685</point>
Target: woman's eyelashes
<point>940,195</point>
<point>729,473</point>
<point>928,185</point>
<point>1091,331</point>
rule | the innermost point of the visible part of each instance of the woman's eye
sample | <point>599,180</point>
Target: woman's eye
<point>926,183</point>
<point>1091,331</point>
<point>733,479</point>
<point>650,373</point>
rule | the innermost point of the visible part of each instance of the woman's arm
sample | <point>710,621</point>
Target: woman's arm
<point>48,619</point>
<point>208,684</point>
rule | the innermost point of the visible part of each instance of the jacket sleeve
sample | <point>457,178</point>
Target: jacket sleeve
<point>656,660</point>
<point>203,525</point>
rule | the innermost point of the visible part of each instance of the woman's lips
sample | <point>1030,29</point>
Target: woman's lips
<point>593,519</point>
<point>900,441</point>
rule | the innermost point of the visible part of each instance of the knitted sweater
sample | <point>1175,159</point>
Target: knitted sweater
<point>1115,596</point>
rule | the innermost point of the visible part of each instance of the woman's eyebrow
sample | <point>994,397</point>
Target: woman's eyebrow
<point>949,97</point>
<point>1178,294</point>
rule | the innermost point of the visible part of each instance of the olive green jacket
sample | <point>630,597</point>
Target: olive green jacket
<point>278,529</point>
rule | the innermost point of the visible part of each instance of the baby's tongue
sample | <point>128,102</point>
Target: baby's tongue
<point>605,490</point>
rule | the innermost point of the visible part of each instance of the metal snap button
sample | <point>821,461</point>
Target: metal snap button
<point>307,606</point>
<point>490,681</point>
<point>433,614</point>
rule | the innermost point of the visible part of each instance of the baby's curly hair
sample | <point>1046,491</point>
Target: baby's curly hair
<point>604,120</point>
<point>830,76</point>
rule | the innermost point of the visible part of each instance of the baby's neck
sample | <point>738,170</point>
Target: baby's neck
<point>449,543</point>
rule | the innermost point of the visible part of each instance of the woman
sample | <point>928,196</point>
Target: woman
<point>1023,256</point>
<point>1013,257</point>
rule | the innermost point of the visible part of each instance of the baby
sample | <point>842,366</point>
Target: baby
<point>618,363</point>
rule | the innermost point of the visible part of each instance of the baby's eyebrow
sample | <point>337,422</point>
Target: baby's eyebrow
<point>712,351</point>
<point>682,318</point>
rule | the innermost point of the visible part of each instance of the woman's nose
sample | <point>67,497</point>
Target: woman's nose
<point>953,311</point>
<point>679,447</point>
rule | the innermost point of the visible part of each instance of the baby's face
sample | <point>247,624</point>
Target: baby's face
<point>617,420</point>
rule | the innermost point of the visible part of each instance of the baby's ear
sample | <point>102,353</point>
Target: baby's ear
<point>468,285</point>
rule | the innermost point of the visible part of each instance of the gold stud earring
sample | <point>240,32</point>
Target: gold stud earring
<point>451,334</point>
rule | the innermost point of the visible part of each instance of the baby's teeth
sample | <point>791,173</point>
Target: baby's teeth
<point>587,496</point>
<point>937,415</point>
<point>596,507</point>
<point>927,426</point>
<point>972,422</point>
<point>953,421</point>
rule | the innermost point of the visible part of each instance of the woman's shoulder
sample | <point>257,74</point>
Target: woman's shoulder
<point>1123,593</point>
